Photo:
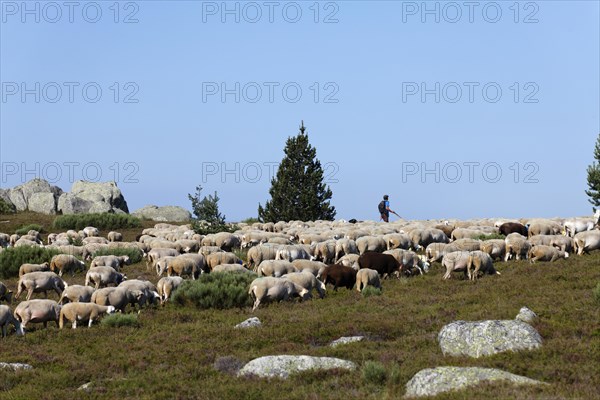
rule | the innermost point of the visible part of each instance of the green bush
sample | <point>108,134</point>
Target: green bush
<point>219,290</point>
<point>135,255</point>
<point>490,236</point>
<point>373,373</point>
<point>75,241</point>
<point>371,291</point>
<point>117,320</point>
<point>250,220</point>
<point>596,293</point>
<point>26,228</point>
<point>103,221</point>
<point>6,208</point>
<point>12,258</point>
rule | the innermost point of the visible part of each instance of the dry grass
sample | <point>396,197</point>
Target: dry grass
<point>177,352</point>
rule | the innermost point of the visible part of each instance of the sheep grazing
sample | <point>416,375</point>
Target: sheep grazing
<point>275,268</point>
<point>275,289</point>
<point>183,266</point>
<point>6,318</point>
<point>103,276</point>
<point>367,277</point>
<point>118,297</point>
<point>480,261</point>
<point>307,280</point>
<point>5,294</point>
<point>27,268</point>
<point>35,282</point>
<point>66,263</point>
<point>117,262</point>
<point>167,285</point>
<point>339,275</point>
<point>90,312</point>
<point>114,236</point>
<point>37,311</point>
<point>384,264</point>
<point>545,253</point>
<point>455,261</point>
<point>76,294</point>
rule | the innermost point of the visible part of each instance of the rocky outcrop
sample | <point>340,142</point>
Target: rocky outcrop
<point>39,196</point>
<point>163,214</point>
<point>433,381</point>
<point>484,338</point>
<point>283,366</point>
<point>15,366</point>
<point>34,195</point>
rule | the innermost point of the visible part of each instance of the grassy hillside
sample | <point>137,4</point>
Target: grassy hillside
<point>174,351</point>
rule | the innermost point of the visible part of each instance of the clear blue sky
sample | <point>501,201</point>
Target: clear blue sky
<point>398,92</point>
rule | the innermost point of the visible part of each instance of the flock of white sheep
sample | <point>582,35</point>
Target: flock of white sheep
<point>290,259</point>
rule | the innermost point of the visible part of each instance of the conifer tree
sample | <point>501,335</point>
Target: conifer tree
<point>297,191</point>
<point>593,178</point>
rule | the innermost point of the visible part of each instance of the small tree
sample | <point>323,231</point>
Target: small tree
<point>593,178</point>
<point>298,191</point>
<point>208,219</point>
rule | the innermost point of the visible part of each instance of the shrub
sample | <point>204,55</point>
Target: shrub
<point>219,290</point>
<point>117,320</point>
<point>250,220</point>
<point>371,291</point>
<point>6,207</point>
<point>12,258</point>
<point>26,228</point>
<point>135,255</point>
<point>596,293</point>
<point>228,364</point>
<point>104,221</point>
<point>490,236</point>
<point>75,241</point>
<point>373,373</point>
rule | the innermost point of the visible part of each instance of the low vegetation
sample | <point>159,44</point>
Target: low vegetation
<point>102,221</point>
<point>6,208</point>
<point>189,349</point>
<point>118,320</point>
<point>12,258</point>
<point>219,290</point>
<point>26,228</point>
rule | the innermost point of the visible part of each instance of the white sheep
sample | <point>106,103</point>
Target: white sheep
<point>90,312</point>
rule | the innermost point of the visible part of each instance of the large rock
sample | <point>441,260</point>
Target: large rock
<point>44,203</point>
<point>432,381</point>
<point>106,192</point>
<point>484,338</point>
<point>163,214</point>
<point>22,195</point>
<point>92,197</point>
<point>284,366</point>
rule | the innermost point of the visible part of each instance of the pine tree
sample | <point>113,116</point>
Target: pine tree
<point>593,178</point>
<point>297,191</point>
<point>208,218</point>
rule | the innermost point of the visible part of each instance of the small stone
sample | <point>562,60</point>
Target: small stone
<point>249,323</point>
<point>526,315</point>
<point>15,366</point>
<point>346,340</point>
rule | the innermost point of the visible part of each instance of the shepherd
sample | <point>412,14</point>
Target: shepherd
<point>384,209</point>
